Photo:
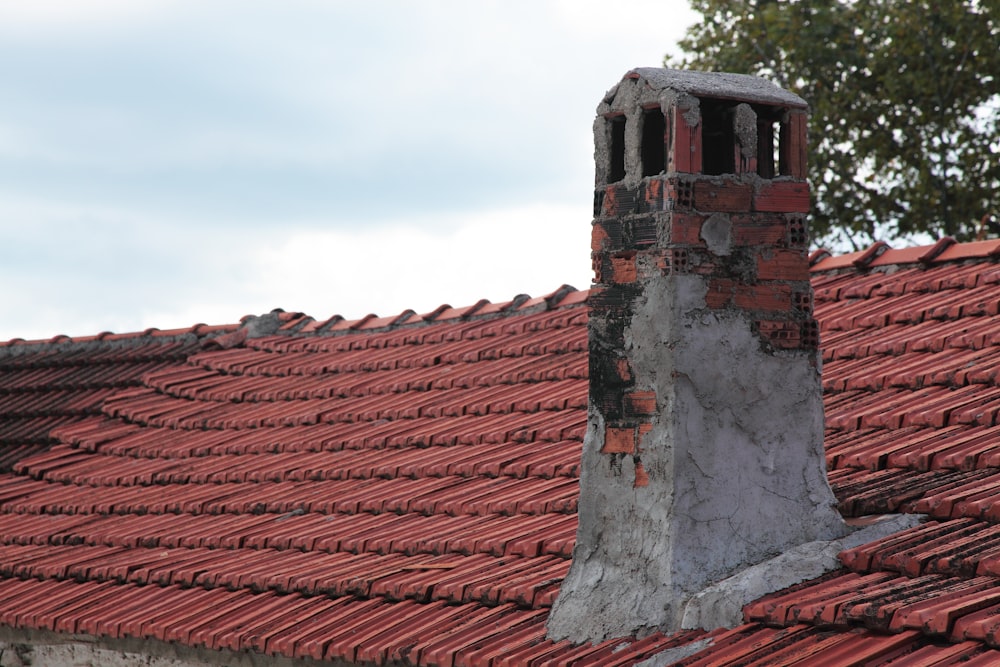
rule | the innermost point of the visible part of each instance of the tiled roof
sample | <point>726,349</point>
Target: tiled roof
<point>48,384</point>
<point>910,343</point>
<point>404,488</point>
<point>373,490</point>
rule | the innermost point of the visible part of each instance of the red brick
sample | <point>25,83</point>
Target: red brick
<point>618,440</point>
<point>654,195</point>
<point>794,145</point>
<point>780,264</point>
<point>810,334</point>
<point>783,197</point>
<point>608,202</point>
<point>623,269</point>
<point>624,370</point>
<point>641,478</point>
<point>679,260</point>
<point>596,262</point>
<point>784,334</point>
<point>759,230</point>
<point>661,260</point>
<point>641,402</point>
<point>726,196</point>
<point>619,200</point>
<point>686,229</point>
<point>766,296</point>
<point>686,155</point>
<point>771,297</point>
<point>598,238</point>
<point>720,293</point>
<point>802,301</point>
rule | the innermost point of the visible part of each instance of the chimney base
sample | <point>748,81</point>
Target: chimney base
<point>721,604</point>
<point>728,474</point>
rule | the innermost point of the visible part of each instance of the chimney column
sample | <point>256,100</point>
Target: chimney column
<point>704,447</point>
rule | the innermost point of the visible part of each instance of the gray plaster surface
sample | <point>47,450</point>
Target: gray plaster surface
<point>258,326</point>
<point>745,129</point>
<point>720,85</point>
<point>734,460</point>
<point>679,90</point>
<point>631,98</point>
<point>721,604</point>
<point>672,655</point>
<point>42,648</point>
<point>717,233</point>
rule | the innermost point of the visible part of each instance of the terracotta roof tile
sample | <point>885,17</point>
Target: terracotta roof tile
<point>404,488</point>
<point>366,483</point>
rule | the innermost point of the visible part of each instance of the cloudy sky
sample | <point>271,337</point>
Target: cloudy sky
<point>169,162</point>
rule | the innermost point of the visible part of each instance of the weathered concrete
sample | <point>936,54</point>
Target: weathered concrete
<point>717,233</point>
<point>720,85</point>
<point>704,449</point>
<point>734,461</point>
<point>672,655</point>
<point>632,101</point>
<point>721,605</point>
<point>745,129</point>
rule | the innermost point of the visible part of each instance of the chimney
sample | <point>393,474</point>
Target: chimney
<point>704,446</point>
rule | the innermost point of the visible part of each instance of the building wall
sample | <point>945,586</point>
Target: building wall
<point>23,648</point>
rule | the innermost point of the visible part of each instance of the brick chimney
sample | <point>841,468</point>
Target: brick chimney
<point>704,447</point>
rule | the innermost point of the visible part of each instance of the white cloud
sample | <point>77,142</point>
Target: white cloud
<point>168,162</point>
<point>174,280</point>
<point>403,265</point>
<point>16,16</point>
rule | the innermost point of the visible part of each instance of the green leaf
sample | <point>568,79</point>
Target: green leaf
<point>905,102</point>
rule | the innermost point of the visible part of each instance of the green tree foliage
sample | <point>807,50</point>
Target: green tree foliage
<point>905,102</point>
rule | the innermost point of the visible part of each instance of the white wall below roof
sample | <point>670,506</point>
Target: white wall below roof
<point>41,648</point>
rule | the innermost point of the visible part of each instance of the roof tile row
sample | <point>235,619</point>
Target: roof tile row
<point>435,495</point>
<point>319,627</point>
<point>498,535</point>
<point>422,471</point>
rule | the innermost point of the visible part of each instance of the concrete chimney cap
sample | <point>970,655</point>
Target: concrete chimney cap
<point>719,85</point>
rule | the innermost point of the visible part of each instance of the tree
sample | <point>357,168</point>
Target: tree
<point>905,102</point>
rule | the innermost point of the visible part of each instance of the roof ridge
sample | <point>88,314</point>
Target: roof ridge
<point>109,340</point>
<point>280,322</point>
<point>521,304</point>
<point>881,254</point>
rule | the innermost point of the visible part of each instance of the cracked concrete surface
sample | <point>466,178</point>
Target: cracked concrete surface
<point>721,604</point>
<point>745,129</point>
<point>734,460</point>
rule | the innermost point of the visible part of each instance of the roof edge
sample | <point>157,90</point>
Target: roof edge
<point>279,322</point>
<point>881,254</point>
<point>718,85</point>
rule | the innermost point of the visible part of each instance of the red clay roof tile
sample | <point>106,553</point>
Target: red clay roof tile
<point>416,477</point>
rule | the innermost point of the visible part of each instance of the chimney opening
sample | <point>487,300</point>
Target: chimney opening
<point>767,148</point>
<point>616,167</point>
<point>718,138</point>
<point>654,139</point>
<point>783,148</point>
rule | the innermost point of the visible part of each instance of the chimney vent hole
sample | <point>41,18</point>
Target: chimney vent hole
<point>616,168</point>
<point>718,139</point>
<point>654,138</point>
